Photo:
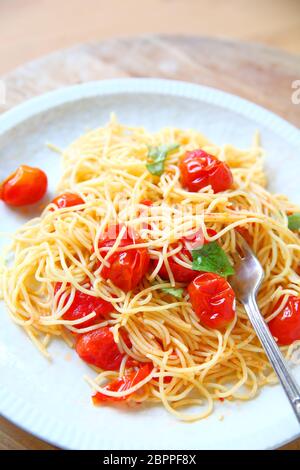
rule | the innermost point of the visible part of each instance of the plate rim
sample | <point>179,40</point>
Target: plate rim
<point>72,93</point>
<point>52,99</point>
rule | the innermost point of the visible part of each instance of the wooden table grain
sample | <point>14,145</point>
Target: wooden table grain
<point>32,28</point>
<point>256,72</point>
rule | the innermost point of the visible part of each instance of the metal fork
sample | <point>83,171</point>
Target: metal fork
<point>246,282</point>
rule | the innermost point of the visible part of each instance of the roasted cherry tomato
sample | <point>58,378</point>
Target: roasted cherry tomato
<point>123,384</point>
<point>286,325</point>
<point>82,305</point>
<point>67,200</point>
<point>213,300</point>
<point>25,186</point>
<point>167,379</point>
<point>127,267</point>
<point>181,273</point>
<point>199,169</point>
<point>147,202</point>
<point>98,348</point>
<point>245,234</point>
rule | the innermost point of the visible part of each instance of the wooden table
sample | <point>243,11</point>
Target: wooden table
<point>258,73</point>
<point>32,28</point>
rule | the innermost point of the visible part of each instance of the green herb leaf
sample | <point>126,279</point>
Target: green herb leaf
<point>173,291</point>
<point>294,221</point>
<point>213,259</point>
<point>158,155</point>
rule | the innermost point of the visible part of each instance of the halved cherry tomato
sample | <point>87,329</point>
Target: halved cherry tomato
<point>286,325</point>
<point>82,305</point>
<point>213,300</point>
<point>127,267</point>
<point>67,200</point>
<point>123,384</point>
<point>181,273</point>
<point>98,348</point>
<point>199,169</point>
<point>25,186</point>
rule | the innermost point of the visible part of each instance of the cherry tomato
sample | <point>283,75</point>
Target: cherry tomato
<point>167,379</point>
<point>25,186</point>
<point>67,200</point>
<point>286,325</point>
<point>123,384</point>
<point>98,348</point>
<point>181,273</point>
<point>127,267</point>
<point>245,234</point>
<point>147,202</point>
<point>82,305</point>
<point>199,169</point>
<point>213,300</point>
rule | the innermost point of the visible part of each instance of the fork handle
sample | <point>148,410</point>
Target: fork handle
<point>288,383</point>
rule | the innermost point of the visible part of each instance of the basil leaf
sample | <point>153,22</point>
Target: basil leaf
<point>294,221</point>
<point>158,155</point>
<point>213,259</point>
<point>173,291</point>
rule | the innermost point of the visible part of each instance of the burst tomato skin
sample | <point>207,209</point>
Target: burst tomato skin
<point>67,200</point>
<point>127,267</point>
<point>286,325</point>
<point>199,169</point>
<point>122,384</point>
<point>25,186</point>
<point>82,305</point>
<point>181,273</point>
<point>213,300</point>
<point>98,348</point>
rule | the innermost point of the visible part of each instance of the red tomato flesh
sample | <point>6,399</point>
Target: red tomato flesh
<point>213,300</point>
<point>123,384</point>
<point>25,186</point>
<point>147,202</point>
<point>181,273</point>
<point>167,379</point>
<point>82,305</point>
<point>245,234</point>
<point>127,267</point>
<point>98,348</point>
<point>199,169</point>
<point>286,325</point>
<point>67,200</point>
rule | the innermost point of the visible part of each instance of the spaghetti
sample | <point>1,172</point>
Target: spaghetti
<point>165,353</point>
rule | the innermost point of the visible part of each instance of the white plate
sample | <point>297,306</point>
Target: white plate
<point>51,400</point>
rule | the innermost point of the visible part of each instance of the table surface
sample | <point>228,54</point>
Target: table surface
<point>32,28</point>
<point>258,73</point>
